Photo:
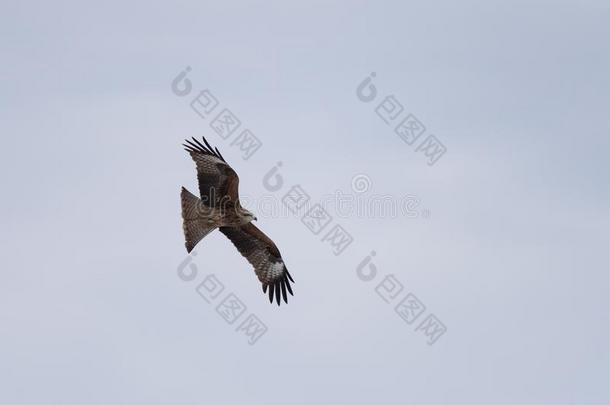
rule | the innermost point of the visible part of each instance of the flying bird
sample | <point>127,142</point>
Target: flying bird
<point>218,207</point>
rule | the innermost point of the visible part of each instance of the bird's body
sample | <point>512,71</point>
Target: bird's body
<point>218,207</point>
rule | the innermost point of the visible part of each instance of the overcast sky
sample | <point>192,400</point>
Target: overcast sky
<point>505,243</point>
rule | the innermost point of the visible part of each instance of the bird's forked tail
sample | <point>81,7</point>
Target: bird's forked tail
<point>197,220</point>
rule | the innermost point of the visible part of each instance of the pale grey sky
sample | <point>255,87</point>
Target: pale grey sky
<point>512,258</point>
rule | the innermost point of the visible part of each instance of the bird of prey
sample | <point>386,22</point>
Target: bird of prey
<point>219,207</point>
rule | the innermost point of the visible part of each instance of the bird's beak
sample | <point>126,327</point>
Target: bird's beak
<point>256,219</point>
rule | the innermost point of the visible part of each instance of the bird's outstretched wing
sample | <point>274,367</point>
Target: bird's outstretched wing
<point>218,182</point>
<point>262,253</point>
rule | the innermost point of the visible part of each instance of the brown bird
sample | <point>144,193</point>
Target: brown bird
<point>219,207</point>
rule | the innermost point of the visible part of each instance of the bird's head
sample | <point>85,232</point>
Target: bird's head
<point>247,216</point>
